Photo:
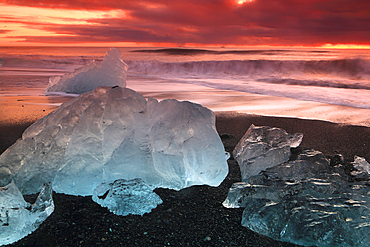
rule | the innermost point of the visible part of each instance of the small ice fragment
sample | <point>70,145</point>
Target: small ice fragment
<point>236,194</point>
<point>124,197</point>
<point>110,72</point>
<point>362,166</point>
<point>264,147</point>
<point>19,218</point>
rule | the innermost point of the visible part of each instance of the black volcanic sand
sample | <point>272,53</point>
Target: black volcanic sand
<point>190,217</point>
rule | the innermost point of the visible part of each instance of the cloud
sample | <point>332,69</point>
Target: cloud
<point>4,31</point>
<point>107,34</point>
<point>284,22</point>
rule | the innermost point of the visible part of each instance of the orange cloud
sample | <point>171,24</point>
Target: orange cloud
<point>178,22</point>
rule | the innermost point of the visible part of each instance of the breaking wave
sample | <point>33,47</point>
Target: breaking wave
<point>44,62</point>
<point>340,73</point>
<point>344,73</point>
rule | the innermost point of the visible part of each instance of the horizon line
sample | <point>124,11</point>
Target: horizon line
<point>148,45</point>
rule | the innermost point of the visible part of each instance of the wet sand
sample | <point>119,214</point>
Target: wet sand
<point>190,217</point>
<point>219,100</point>
<point>25,108</point>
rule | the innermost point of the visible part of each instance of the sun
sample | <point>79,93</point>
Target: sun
<point>243,1</point>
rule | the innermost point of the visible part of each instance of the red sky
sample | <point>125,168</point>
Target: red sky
<point>184,22</point>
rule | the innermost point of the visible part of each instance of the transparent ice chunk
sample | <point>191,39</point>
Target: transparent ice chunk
<point>19,218</point>
<point>362,167</point>
<point>124,197</point>
<point>264,147</point>
<point>305,201</point>
<point>114,133</point>
<point>110,72</point>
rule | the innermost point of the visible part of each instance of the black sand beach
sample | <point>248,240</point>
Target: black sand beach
<point>191,217</point>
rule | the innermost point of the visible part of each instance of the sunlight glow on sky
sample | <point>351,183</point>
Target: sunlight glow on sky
<point>225,23</point>
<point>29,21</point>
<point>243,1</point>
<point>346,46</point>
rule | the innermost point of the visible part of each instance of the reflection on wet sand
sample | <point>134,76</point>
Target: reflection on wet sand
<point>229,100</point>
<point>22,108</point>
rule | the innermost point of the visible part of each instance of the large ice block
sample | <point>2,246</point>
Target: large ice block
<point>110,72</point>
<point>262,147</point>
<point>115,133</point>
<point>19,218</point>
<point>305,201</point>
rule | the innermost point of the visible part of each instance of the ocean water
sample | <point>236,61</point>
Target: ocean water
<point>325,84</point>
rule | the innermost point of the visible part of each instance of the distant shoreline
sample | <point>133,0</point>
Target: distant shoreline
<point>195,51</point>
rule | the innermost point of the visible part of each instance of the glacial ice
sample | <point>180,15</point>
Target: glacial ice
<point>362,168</point>
<point>115,133</point>
<point>124,197</point>
<point>306,201</point>
<point>262,147</point>
<point>110,72</point>
<point>19,218</point>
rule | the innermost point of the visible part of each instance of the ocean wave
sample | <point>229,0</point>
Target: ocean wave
<point>334,83</point>
<point>44,62</point>
<point>358,98</point>
<point>354,69</point>
<point>336,73</point>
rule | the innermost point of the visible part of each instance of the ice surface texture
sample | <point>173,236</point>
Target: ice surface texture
<point>18,218</point>
<point>306,201</point>
<point>110,72</point>
<point>124,197</point>
<point>115,133</point>
<point>362,168</point>
<point>263,147</point>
